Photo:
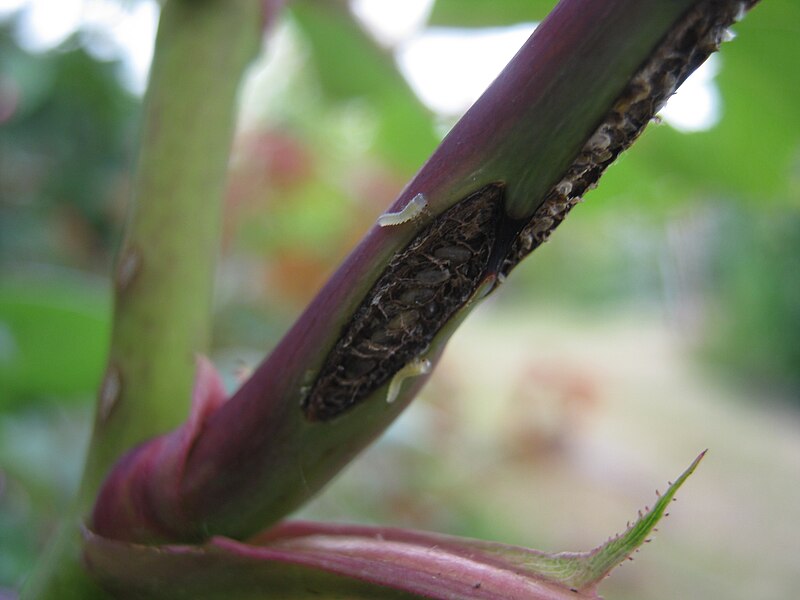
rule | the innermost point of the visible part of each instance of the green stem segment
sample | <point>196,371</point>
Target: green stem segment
<point>165,270</point>
<point>164,274</point>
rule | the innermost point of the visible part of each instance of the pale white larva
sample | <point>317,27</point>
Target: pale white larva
<point>410,211</point>
<point>415,368</point>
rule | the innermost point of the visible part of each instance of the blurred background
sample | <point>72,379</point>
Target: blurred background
<point>662,318</point>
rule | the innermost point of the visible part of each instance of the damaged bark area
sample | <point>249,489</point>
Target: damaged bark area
<point>699,34</point>
<point>421,288</point>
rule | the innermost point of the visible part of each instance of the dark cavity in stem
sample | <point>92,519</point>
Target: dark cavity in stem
<point>422,287</point>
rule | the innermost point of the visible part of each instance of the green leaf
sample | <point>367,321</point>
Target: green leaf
<point>488,13</point>
<point>752,154</point>
<point>351,66</point>
<point>53,339</point>
<point>754,149</point>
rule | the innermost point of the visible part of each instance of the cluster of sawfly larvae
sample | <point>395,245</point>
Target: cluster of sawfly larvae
<point>700,33</point>
<point>419,291</point>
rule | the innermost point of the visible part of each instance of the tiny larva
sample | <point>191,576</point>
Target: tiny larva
<point>418,366</point>
<point>415,207</point>
<point>421,288</point>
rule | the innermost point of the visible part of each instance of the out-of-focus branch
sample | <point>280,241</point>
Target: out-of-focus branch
<point>164,272</point>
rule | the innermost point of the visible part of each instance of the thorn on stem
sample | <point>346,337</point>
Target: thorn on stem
<point>128,267</point>
<point>109,392</point>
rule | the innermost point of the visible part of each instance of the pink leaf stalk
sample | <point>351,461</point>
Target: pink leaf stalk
<point>306,560</point>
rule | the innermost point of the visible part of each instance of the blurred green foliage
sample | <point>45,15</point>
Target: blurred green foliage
<point>66,145</point>
<point>54,339</point>
<point>483,13</point>
<point>350,65</point>
<point>758,274</point>
<point>706,223</point>
<point>66,135</point>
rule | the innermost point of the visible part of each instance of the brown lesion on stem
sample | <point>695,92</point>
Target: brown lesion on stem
<point>422,287</point>
<point>694,38</point>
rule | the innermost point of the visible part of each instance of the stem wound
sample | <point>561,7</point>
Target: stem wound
<point>422,287</point>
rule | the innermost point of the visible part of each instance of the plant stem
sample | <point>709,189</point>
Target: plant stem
<point>524,131</point>
<point>164,274</point>
<point>577,94</point>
